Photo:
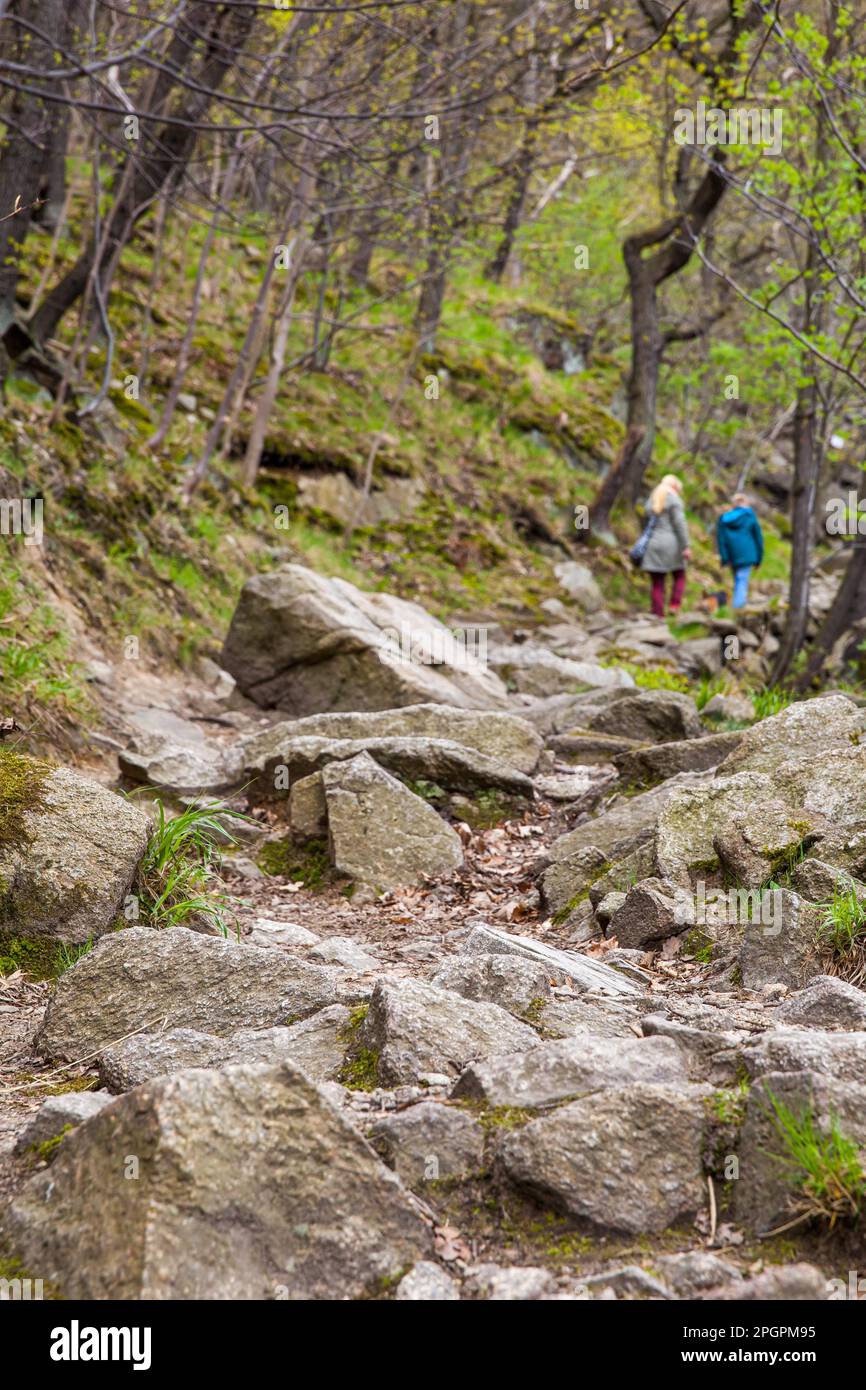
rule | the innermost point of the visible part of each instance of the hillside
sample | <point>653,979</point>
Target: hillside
<point>471,506</point>
<point>428,903</point>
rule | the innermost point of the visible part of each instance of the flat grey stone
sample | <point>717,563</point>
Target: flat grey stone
<point>342,950</point>
<point>315,1044</point>
<point>585,972</point>
<point>568,1067</point>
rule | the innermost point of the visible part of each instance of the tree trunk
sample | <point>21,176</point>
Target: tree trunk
<point>644,376</point>
<point>675,239</point>
<point>266,401</point>
<point>431,299</point>
<point>183,358</point>
<point>516,203</point>
<point>50,211</point>
<point>802,511</point>
<point>34,140</point>
<point>362,257</point>
<point>848,608</point>
<point>224,30</point>
<point>612,484</point>
<point>433,283</point>
<point>807,461</point>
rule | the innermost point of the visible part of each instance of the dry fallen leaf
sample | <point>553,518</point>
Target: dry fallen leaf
<point>450,1245</point>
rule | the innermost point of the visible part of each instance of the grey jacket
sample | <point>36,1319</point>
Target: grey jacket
<point>668,540</point>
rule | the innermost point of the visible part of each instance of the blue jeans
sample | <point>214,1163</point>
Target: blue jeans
<point>741,586</point>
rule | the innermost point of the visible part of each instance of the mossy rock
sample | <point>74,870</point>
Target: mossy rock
<point>69,850</point>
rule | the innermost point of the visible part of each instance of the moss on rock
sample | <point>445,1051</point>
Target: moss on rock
<point>43,958</point>
<point>22,786</point>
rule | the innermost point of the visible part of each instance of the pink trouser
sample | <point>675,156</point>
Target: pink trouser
<point>658,591</point>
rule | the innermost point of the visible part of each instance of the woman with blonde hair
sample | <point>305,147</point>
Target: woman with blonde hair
<point>667,549</point>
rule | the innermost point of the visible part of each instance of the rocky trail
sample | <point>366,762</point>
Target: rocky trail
<point>520,991</point>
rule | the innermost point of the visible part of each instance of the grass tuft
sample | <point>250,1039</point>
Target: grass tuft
<point>769,701</point>
<point>841,936</point>
<point>181,856</point>
<point>824,1167</point>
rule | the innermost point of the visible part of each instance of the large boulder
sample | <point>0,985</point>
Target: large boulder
<point>179,768</point>
<point>506,738</point>
<point>709,1055</point>
<point>437,760</point>
<point>513,1284</point>
<point>627,1159</point>
<point>513,982</point>
<point>831,789</point>
<point>413,1029</point>
<point>145,1056</point>
<point>820,882</point>
<point>604,1017</point>
<point>141,980</point>
<point>655,763</point>
<point>555,714</point>
<point>308,810</point>
<point>735,707</point>
<point>582,787</point>
<point>247,1184</point>
<point>308,644</point>
<point>427,1283</point>
<point>739,820</point>
<point>778,944</point>
<point>802,732</point>
<point>57,1115</point>
<point>69,851</point>
<point>827,1003</point>
<point>580,584</point>
<point>591,750</point>
<point>381,833</point>
<point>651,911</point>
<point>840,1055</point>
<point>428,1142</point>
<point>797,1283</point>
<point>698,656</point>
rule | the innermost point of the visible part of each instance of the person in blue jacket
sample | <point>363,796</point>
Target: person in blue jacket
<point>741,545</point>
